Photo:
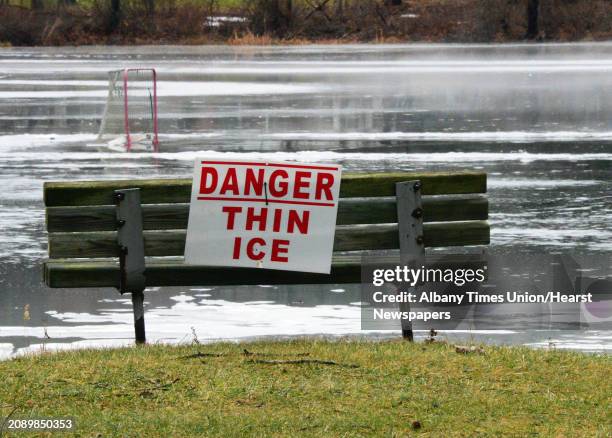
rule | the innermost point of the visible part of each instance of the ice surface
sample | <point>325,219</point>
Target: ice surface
<point>535,117</point>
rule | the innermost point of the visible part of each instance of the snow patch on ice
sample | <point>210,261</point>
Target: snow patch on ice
<point>19,142</point>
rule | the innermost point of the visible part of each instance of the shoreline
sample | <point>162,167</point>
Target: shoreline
<point>283,44</point>
<point>250,40</point>
<point>484,338</point>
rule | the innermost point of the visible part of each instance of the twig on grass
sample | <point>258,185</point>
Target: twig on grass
<point>158,386</point>
<point>147,391</point>
<point>5,421</point>
<point>301,362</point>
<point>200,354</point>
<point>465,349</point>
<point>246,352</point>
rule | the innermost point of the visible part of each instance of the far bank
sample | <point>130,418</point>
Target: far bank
<point>262,22</point>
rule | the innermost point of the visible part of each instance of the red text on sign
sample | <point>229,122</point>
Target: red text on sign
<point>255,248</point>
<point>280,183</point>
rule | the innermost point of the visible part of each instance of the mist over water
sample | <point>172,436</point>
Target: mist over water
<point>536,118</point>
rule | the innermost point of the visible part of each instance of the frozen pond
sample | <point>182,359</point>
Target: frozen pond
<point>537,118</point>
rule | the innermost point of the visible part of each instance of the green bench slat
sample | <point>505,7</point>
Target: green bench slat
<point>105,273</point>
<point>350,211</point>
<point>348,238</point>
<point>167,191</point>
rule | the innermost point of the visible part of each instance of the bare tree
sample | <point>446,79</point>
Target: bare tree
<point>115,15</point>
<point>149,6</point>
<point>533,18</point>
<point>289,12</point>
<point>339,8</point>
<point>63,3</point>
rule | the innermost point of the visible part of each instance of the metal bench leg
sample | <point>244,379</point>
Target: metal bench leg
<point>131,254</point>
<point>410,226</point>
<point>139,322</point>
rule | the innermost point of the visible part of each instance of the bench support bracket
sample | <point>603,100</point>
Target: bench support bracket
<point>131,254</point>
<point>410,226</point>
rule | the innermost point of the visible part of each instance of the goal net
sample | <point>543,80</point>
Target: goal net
<point>130,114</point>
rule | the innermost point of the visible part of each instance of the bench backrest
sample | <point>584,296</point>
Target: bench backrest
<point>81,216</point>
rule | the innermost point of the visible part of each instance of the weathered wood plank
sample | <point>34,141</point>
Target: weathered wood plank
<point>435,209</point>
<point>440,183</point>
<point>102,218</point>
<point>160,191</point>
<point>385,236</point>
<point>105,273</point>
<point>179,274</point>
<point>350,211</point>
<point>348,238</point>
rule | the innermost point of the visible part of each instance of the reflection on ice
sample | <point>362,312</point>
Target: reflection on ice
<point>506,136</point>
<point>170,89</point>
<point>210,319</point>
<point>65,158</point>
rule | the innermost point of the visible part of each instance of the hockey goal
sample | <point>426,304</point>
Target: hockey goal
<point>130,114</point>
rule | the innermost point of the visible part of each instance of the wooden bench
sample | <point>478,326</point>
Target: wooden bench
<point>86,222</point>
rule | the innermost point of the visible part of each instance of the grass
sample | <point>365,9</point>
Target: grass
<point>314,388</point>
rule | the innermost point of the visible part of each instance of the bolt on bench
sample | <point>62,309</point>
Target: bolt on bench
<point>130,234</point>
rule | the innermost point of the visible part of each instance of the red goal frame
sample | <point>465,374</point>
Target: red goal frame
<point>120,81</point>
<point>126,119</point>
